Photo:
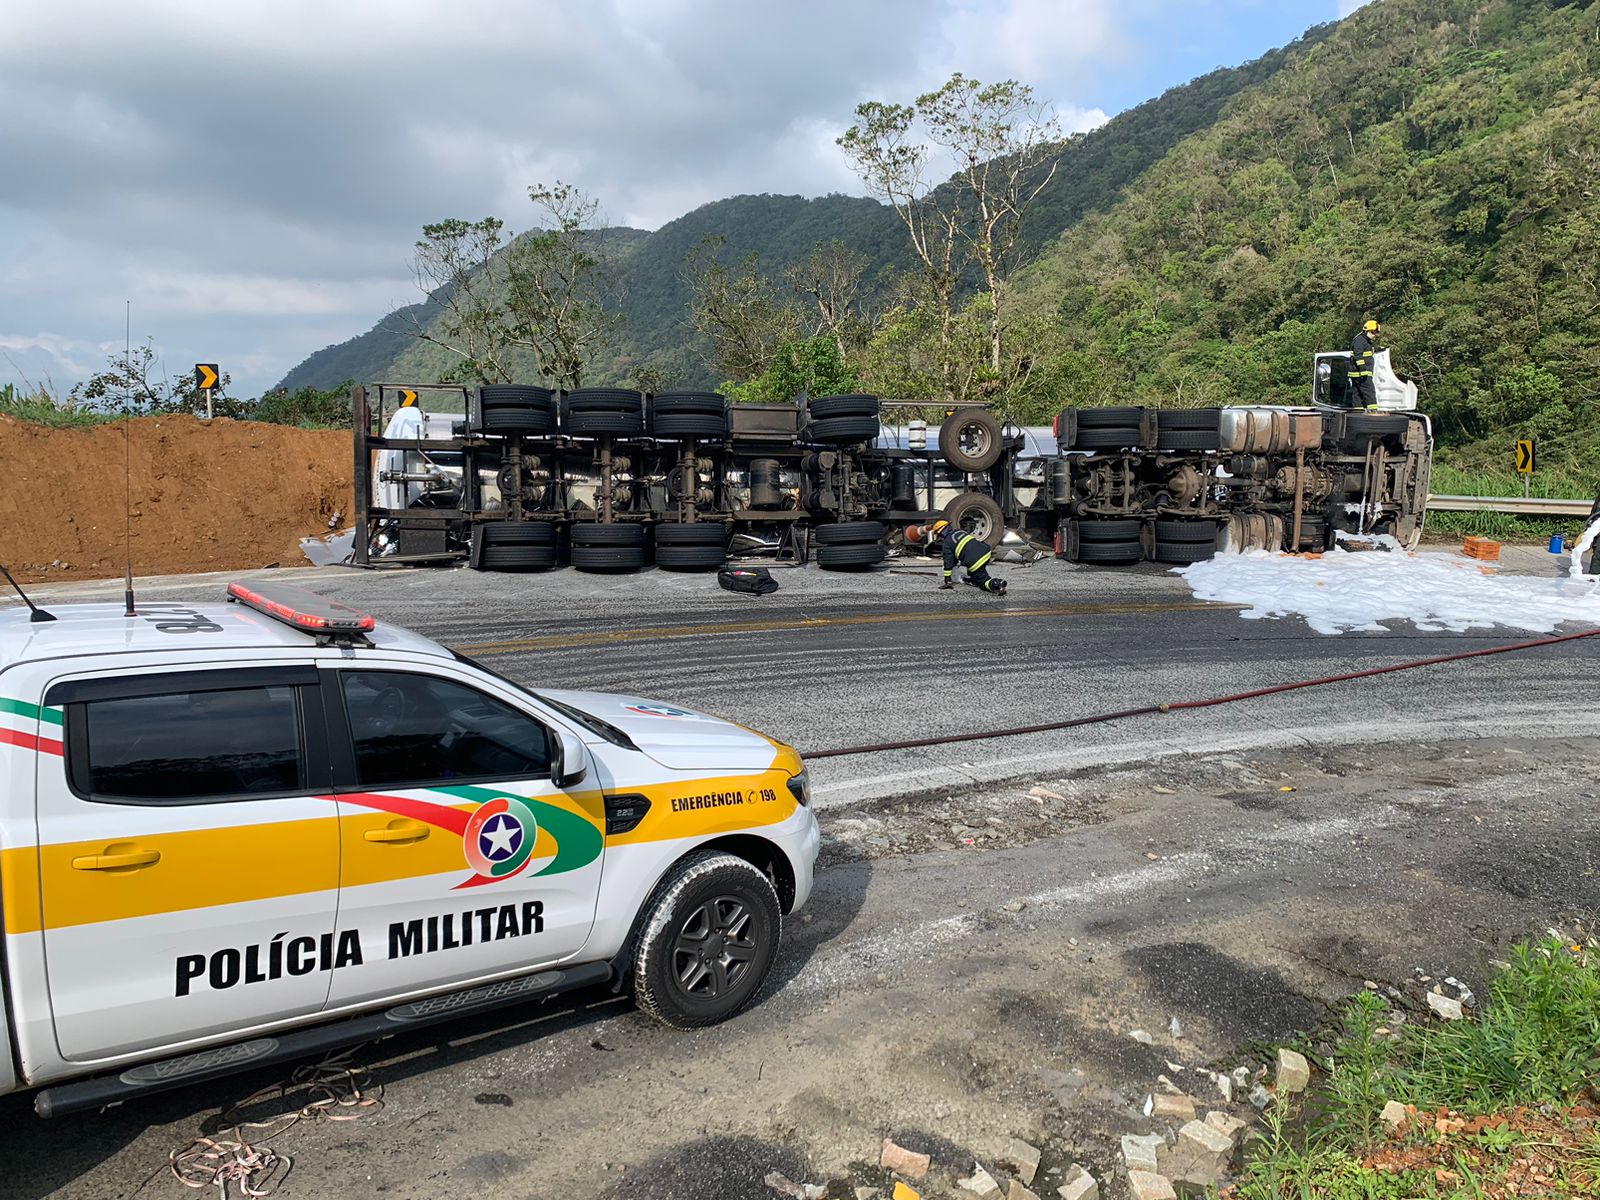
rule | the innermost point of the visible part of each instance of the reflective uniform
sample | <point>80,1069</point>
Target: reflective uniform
<point>961,547</point>
<point>1363,392</point>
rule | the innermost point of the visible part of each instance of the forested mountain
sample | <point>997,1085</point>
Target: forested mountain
<point>1433,163</point>
<point>654,327</point>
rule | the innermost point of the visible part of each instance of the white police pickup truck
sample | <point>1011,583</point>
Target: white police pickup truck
<point>233,834</point>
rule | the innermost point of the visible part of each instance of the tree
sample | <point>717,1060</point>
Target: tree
<point>547,294</point>
<point>137,383</point>
<point>894,167</point>
<point>830,277</point>
<point>737,310</point>
<point>1005,145</point>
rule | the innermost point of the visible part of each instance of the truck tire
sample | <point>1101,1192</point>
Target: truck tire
<point>608,560</point>
<point>849,533</point>
<point>1117,437</point>
<point>1110,552</point>
<point>978,515</point>
<point>1184,552</point>
<point>517,558</point>
<point>597,412</point>
<point>854,405</point>
<point>850,555</point>
<point>602,400</point>
<point>517,410</point>
<point>518,533</point>
<point>691,426</point>
<point>969,440</point>
<point>1186,531</point>
<point>1189,418</point>
<point>1115,529</point>
<point>1187,439</point>
<point>621,533</point>
<point>844,431</point>
<point>712,403</point>
<point>1109,418</point>
<point>1365,424</point>
<point>691,546</point>
<point>709,900</point>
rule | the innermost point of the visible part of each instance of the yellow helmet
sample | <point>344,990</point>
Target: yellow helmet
<point>937,528</point>
<point>1371,327</point>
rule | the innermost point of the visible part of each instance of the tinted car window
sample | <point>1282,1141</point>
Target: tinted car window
<point>420,729</point>
<point>194,745</point>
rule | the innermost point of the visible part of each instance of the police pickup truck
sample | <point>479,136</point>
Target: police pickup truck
<point>235,834</point>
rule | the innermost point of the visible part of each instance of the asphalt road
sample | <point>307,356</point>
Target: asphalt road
<point>974,956</point>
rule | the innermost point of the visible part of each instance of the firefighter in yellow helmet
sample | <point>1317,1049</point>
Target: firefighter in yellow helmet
<point>973,555</point>
<point>1363,391</point>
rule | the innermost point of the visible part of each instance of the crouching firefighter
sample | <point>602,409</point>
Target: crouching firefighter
<point>973,555</point>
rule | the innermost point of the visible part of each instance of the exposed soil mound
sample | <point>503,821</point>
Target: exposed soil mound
<point>206,495</point>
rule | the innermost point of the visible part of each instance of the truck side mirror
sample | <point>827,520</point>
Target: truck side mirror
<point>572,760</point>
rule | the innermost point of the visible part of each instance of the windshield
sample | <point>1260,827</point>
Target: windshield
<point>589,721</point>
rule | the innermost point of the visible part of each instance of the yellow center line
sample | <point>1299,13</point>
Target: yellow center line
<point>666,632</point>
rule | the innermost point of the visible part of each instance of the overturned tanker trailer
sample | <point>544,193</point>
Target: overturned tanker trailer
<point>520,478</point>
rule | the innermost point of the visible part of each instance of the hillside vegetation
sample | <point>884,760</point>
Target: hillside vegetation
<point>654,328</point>
<point>1433,163</point>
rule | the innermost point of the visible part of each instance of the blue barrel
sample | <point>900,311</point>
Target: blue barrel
<point>1558,543</point>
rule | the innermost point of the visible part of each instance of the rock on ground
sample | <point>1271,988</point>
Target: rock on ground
<point>1139,1151</point>
<point>902,1161</point>
<point>1147,1185</point>
<point>1294,1073</point>
<point>1080,1185</point>
<point>980,1184</point>
<point>1024,1158</point>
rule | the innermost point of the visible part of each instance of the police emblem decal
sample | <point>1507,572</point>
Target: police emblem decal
<point>499,837</point>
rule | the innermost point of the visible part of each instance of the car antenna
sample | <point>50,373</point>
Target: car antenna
<point>127,464</point>
<point>39,614</point>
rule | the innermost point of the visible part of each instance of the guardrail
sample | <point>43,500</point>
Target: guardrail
<point>1527,506</point>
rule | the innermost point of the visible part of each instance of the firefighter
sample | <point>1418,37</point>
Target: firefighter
<point>961,547</point>
<point>1363,391</point>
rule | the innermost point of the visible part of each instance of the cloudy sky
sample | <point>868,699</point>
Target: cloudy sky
<point>252,175</point>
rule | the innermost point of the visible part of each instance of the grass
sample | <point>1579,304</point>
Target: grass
<point>40,408</point>
<point>1501,1105</point>
<point>1452,480</point>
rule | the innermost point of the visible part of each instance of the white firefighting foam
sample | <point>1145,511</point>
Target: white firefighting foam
<point>1346,591</point>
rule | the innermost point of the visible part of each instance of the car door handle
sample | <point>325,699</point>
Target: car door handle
<point>110,862</point>
<point>409,831</point>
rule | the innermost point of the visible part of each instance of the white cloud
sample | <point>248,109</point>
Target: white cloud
<point>253,176</point>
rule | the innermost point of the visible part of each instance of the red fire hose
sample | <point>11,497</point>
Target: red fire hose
<point>1176,705</point>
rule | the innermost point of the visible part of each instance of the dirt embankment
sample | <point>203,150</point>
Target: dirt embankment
<point>205,496</point>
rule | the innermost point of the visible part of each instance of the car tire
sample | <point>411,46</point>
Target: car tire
<point>1186,531</point>
<point>849,556</point>
<point>1110,552</point>
<point>843,431</point>
<point>517,410</point>
<point>855,405</point>
<point>705,891</point>
<point>1113,529</point>
<point>627,534</point>
<point>980,428</point>
<point>850,533</point>
<point>1120,437</point>
<point>1109,418</point>
<point>1184,552</point>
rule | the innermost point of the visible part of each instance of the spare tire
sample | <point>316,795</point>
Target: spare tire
<point>969,439</point>
<point>1367,424</point>
<point>849,533</point>
<point>977,514</point>
<point>593,533</point>
<point>844,431</point>
<point>863,554</point>
<point>854,405</point>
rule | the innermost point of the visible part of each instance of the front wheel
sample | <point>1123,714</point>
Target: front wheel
<point>709,937</point>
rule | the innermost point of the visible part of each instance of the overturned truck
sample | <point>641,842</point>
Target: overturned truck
<point>517,478</point>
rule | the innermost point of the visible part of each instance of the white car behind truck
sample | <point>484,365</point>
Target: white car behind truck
<point>235,834</point>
